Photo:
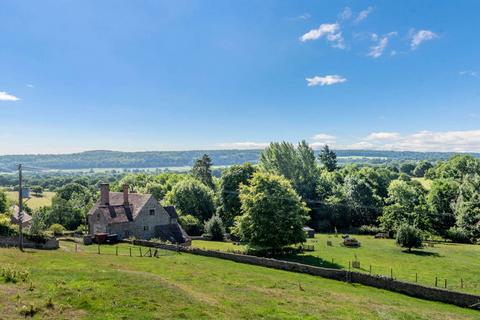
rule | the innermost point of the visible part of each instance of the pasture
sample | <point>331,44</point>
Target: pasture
<point>34,202</point>
<point>65,284</point>
<point>455,262</point>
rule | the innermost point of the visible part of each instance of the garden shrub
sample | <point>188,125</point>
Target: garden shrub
<point>214,229</point>
<point>458,235</point>
<point>57,229</point>
<point>369,229</point>
<point>14,274</point>
<point>191,225</point>
<point>7,229</point>
<point>409,237</point>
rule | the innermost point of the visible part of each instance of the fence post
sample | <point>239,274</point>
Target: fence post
<point>98,249</point>
<point>116,251</point>
<point>416,277</point>
<point>130,250</point>
<point>76,247</point>
<point>391,273</point>
<point>461,283</point>
<point>349,265</point>
<point>332,260</point>
<point>436,281</point>
<point>445,283</point>
<point>140,248</point>
<point>370,269</point>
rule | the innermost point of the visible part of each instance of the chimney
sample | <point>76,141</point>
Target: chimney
<point>104,194</point>
<point>125,195</point>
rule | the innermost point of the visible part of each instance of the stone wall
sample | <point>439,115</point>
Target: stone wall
<point>51,243</point>
<point>381,282</point>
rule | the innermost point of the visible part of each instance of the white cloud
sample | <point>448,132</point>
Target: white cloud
<point>418,37</point>
<point>331,31</point>
<point>470,73</point>
<point>243,145</point>
<point>382,136</point>
<point>325,80</point>
<point>304,16</point>
<point>362,15</point>
<point>321,139</point>
<point>442,141</point>
<point>29,85</point>
<point>4,96</point>
<point>346,13</point>
<point>381,43</point>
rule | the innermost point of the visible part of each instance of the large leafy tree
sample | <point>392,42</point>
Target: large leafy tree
<point>202,171</point>
<point>440,200</point>
<point>3,201</point>
<point>406,204</point>
<point>363,204</point>
<point>190,196</point>
<point>421,168</point>
<point>228,194</point>
<point>295,164</point>
<point>273,213</point>
<point>456,167</point>
<point>467,207</point>
<point>328,158</point>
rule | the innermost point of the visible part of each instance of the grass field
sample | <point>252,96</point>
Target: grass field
<point>426,183</point>
<point>33,202</point>
<point>86,285</point>
<point>444,261</point>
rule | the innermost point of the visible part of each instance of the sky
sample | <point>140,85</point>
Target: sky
<point>182,75</point>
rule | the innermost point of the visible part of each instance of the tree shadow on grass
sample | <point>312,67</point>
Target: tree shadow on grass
<point>312,261</point>
<point>422,253</point>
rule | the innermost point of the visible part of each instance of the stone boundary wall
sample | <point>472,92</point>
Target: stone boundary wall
<point>412,289</point>
<point>51,243</point>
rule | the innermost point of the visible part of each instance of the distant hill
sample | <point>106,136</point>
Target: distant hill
<point>159,159</point>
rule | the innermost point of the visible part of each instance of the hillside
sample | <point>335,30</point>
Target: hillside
<point>86,285</point>
<point>162,159</point>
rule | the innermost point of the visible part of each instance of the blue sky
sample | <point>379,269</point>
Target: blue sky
<point>175,75</point>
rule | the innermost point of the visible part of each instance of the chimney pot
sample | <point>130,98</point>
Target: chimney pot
<point>125,195</point>
<point>104,194</point>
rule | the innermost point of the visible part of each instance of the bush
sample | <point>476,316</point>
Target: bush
<point>191,225</point>
<point>6,227</point>
<point>409,237</point>
<point>214,229</point>
<point>458,235</point>
<point>370,230</point>
<point>14,274</point>
<point>57,229</point>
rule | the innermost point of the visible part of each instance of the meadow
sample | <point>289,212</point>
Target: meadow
<point>458,263</point>
<point>65,284</point>
<point>34,202</point>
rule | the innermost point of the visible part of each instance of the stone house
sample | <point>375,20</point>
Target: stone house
<point>134,215</point>
<point>26,218</point>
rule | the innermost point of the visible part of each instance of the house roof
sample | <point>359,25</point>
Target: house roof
<point>172,212</point>
<point>117,212</point>
<point>26,217</point>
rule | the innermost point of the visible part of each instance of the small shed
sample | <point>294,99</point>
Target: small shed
<point>309,231</point>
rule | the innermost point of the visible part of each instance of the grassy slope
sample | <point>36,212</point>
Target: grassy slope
<point>33,202</point>
<point>87,285</point>
<point>451,261</point>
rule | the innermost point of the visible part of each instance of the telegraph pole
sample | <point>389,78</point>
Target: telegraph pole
<point>20,208</point>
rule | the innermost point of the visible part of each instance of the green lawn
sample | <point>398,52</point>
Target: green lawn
<point>33,202</point>
<point>447,260</point>
<point>86,285</point>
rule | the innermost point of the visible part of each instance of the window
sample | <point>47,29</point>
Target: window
<point>145,228</point>
<point>152,212</point>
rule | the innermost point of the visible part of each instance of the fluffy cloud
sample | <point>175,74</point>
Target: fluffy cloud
<point>418,37</point>
<point>382,136</point>
<point>304,16</point>
<point>4,96</point>
<point>243,145</point>
<point>470,73</point>
<point>381,43</point>
<point>443,141</point>
<point>321,139</point>
<point>327,80</point>
<point>345,14</point>
<point>362,15</point>
<point>331,31</point>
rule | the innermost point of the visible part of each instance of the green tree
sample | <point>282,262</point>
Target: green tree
<point>407,168</point>
<point>364,205</point>
<point>421,168</point>
<point>295,164</point>
<point>191,224</point>
<point>37,191</point>
<point>456,167</point>
<point>440,200</point>
<point>3,201</point>
<point>328,158</point>
<point>214,229</point>
<point>273,213</point>
<point>409,237</point>
<point>202,171</point>
<point>231,180</point>
<point>37,224</point>
<point>467,207</point>
<point>190,196</point>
